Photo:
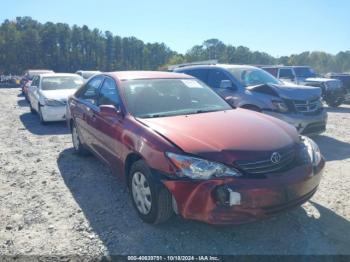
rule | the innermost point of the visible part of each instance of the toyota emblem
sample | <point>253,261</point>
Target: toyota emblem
<point>275,158</point>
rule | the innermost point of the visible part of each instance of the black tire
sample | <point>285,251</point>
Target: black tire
<point>334,103</point>
<point>252,107</point>
<point>161,200</point>
<point>78,147</point>
<point>31,108</point>
<point>42,120</point>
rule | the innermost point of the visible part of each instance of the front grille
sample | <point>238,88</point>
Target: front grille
<point>265,166</point>
<point>306,106</point>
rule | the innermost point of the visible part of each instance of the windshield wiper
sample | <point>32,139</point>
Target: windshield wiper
<point>154,115</point>
<point>199,111</point>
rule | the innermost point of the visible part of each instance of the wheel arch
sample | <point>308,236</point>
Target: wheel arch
<point>251,107</point>
<point>129,161</point>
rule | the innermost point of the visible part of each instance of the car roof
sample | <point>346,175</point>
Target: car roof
<point>38,70</point>
<point>283,66</point>
<point>227,66</point>
<point>131,75</point>
<point>88,71</point>
<point>59,74</point>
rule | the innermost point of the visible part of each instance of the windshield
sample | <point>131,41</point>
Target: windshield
<point>304,72</point>
<point>253,76</point>
<point>61,82</point>
<point>170,97</point>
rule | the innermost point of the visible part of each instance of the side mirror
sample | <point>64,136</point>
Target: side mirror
<point>110,110</point>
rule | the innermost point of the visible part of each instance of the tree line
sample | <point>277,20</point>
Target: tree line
<point>26,43</point>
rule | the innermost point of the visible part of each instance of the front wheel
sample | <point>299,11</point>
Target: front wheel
<point>31,108</point>
<point>42,120</point>
<point>335,102</point>
<point>152,203</point>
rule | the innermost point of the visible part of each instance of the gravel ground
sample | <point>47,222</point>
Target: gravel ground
<point>53,202</point>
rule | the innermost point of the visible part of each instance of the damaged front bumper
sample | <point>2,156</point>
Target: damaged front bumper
<point>244,200</point>
<point>305,124</point>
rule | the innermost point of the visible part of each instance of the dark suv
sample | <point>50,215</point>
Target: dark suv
<point>252,88</point>
<point>345,79</point>
<point>332,92</point>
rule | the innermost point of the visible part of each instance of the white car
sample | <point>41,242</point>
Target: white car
<point>48,95</point>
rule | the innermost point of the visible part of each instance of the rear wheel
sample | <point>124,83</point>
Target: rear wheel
<point>78,147</point>
<point>153,203</point>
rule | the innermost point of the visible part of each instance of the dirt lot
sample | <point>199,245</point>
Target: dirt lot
<point>53,202</point>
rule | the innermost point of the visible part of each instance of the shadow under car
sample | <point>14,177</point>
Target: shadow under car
<point>106,204</point>
<point>23,103</point>
<point>332,148</point>
<point>32,123</point>
<point>340,109</point>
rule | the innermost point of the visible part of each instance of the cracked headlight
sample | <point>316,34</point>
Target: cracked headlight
<point>313,150</point>
<point>197,168</point>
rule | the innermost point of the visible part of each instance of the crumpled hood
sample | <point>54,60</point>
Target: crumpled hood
<point>232,130</point>
<point>297,92</point>
<point>61,94</point>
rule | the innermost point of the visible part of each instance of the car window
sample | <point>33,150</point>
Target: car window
<point>147,98</point>
<point>201,74</point>
<point>35,81</point>
<point>215,77</point>
<point>61,82</point>
<point>250,76</point>
<point>108,93</point>
<point>286,73</point>
<point>304,72</point>
<point>272,71</point>
<point>90,90</point>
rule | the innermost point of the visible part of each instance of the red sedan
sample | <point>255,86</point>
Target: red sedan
<point>181,148</point>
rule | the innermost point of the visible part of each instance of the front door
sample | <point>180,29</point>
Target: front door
<point>107,129</point>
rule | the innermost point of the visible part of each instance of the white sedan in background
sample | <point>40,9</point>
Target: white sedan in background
<point>48,95</point>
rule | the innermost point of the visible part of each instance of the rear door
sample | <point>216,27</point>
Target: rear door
<point>200,73</point>
<point>215,76</point>
<point>84,108</point>
<point>107,130</point>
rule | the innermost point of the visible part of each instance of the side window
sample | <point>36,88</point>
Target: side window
<point>35,81</point>
<point>108,93</point>
<point>286,73</point>
<point>272,71</point>
<point>215,77</point>
<point>201,74</point>
<point>90,90</point>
